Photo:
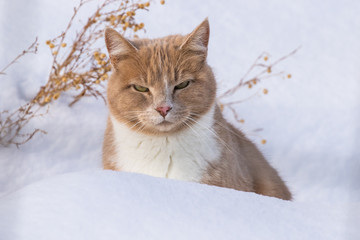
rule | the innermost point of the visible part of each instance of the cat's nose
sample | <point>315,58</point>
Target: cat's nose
<point>163,110</point>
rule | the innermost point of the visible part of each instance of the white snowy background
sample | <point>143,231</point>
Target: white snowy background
<point>53,187</point>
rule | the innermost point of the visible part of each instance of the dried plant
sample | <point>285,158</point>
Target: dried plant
<point>11,123</point>
<point>82,66</point>
<point>79,65</point>
<point>261,69</point>
<point>33,48</point>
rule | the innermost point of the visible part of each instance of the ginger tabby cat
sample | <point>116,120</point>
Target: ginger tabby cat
<point>164,120</point>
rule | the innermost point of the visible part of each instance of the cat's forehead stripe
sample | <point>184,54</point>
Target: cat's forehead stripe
<point>158,63</point>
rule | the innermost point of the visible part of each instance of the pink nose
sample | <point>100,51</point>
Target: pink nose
<point>163,110</point>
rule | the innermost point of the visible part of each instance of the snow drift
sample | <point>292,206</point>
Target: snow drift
<point>115,205</point>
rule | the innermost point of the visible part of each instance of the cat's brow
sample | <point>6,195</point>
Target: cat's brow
<point>137,80</point>
<point>185,77</point>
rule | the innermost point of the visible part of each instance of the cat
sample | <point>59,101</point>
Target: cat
<point>164,120</point>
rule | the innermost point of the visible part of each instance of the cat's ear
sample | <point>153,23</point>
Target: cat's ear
<point>118,46</point>
<point>198,39</point>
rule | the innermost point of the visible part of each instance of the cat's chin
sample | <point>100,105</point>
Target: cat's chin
<point>165,127</point>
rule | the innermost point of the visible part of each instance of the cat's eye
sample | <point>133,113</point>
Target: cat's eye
<point>140,88</point>
<point>182,85</point>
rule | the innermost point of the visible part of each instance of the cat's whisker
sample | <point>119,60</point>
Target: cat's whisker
<point>191,128</point>
<point>194,131</point>
<point>221,125</point>
<point>137,123</point>
<point>207,144</point>
<point>138,130</point>
<point>199,135</point>
<point>134,111</point>
<point>214,134</point>
<point>130,120</point>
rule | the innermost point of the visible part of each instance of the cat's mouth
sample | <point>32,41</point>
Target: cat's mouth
<point>165,126</point>
<point>165,122</point>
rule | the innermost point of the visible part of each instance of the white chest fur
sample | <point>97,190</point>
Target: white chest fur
<point>184,155</point>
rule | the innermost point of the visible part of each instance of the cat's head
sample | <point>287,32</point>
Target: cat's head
<point>160,85</point>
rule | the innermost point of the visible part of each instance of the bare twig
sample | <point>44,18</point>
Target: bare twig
<point>260,71</point>
<point>31,49</point>
<point>265,68</point>
<point>78,66</point>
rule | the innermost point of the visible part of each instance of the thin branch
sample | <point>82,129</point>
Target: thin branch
<point>31,49</point>
<point>265,67</point>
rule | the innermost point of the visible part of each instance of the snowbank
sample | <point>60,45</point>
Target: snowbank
<point>114,205</point>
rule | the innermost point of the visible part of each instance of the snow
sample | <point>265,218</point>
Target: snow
<point>114,205</point>
<point>53,187</point>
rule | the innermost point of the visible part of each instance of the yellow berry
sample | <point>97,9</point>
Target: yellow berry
<point>96,54</point>
<point>289,76</point>
<point>126,24</point>
<point>77,87</point>
<point>265,91</point>
<point>47,99</point>
<point>241,120</point>
<point>221,107</point>
<point>162,2</point>
<point>266,58</point>
<point>102,63</point>
<point>147,4</point>
<point>103,55</point>
<point>249,85</point>
<point>263,141</point>
<point>140,5</point>
<point>56,96</point>
<point>254,81</point>
<point>269,70</point>
<point>48,42</point>
<point>141,25</point>
<point>55,52</point>
<point>129,13</point>
<point>64,79</point>
<point>63,44</point>
<point>97,81</point>
<point>51,45</point>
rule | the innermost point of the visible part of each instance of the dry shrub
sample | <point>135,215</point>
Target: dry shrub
<point>260,70</point>
<point>79,65</point>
